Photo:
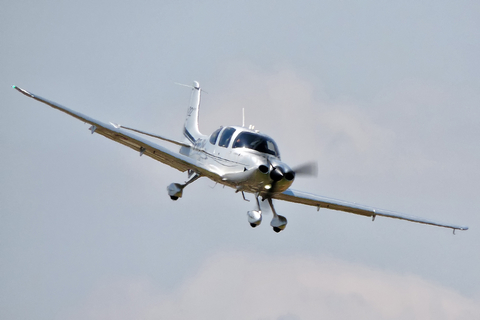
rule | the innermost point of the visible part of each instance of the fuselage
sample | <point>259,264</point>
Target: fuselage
<point>247,160</point>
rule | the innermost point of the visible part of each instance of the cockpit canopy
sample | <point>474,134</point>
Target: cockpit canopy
<point>256,142</point>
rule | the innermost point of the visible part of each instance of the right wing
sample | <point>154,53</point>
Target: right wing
<point>329,203</point>
<point>139,144</point>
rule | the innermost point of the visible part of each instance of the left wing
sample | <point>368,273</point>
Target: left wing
<point>114,132</point>
<point>329,203</point>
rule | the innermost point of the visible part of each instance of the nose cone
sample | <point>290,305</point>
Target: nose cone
<point>281,175</point>
<point>277,174</point>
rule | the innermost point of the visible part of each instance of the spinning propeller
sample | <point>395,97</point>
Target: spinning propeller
<point>278,172</point>
<point>308,169</point>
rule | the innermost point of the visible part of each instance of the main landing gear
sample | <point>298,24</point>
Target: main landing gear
<point>278,222</point>
<point>175,190</point>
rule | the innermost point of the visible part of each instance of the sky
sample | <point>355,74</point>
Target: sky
<point>383,95</point>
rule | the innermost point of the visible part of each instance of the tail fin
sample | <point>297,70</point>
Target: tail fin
<point>191,131</point>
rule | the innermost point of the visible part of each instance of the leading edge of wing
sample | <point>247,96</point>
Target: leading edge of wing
<point>334,204</point>
<point>115,133</point>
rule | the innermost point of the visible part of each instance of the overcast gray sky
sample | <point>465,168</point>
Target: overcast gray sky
<point>384,95</point>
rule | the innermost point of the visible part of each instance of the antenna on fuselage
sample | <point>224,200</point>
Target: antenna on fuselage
<point>250,127</point>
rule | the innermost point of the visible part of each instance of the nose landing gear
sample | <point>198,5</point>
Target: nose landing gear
<point>255,216</point>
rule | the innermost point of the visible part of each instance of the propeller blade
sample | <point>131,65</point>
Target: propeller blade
<point>309,169</point>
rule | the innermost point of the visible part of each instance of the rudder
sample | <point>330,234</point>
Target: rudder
<point>191,131</point>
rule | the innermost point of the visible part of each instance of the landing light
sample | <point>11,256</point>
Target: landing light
<point>268,187</point>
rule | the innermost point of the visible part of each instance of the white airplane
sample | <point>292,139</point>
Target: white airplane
<point>241,158</point>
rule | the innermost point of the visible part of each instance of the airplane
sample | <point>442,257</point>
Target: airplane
<point>234,156</point>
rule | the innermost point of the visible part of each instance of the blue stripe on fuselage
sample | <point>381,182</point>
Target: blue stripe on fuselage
<point>189,136</point>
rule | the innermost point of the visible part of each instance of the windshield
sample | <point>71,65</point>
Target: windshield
<point>256,142</point>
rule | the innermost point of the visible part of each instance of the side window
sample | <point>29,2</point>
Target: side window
<point>214,136</point>
<point>226,136</point>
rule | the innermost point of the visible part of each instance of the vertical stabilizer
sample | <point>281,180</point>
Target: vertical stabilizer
<point>191,131</point>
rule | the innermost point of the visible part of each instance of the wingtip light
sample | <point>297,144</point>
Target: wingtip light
<point>25,92</point>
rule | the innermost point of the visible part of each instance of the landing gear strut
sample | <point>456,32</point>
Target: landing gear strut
<point>278,222</point>
<point>175,190</point>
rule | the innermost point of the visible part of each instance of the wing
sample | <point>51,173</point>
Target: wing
<point>139,144</point>
<point>324,202</point>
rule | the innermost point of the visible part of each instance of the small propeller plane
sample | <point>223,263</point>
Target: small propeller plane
<point>238,157</point>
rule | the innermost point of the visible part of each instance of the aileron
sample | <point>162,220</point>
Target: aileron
<point>340,205</point>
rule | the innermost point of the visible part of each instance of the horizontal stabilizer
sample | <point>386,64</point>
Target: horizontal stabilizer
<point>183,144</point>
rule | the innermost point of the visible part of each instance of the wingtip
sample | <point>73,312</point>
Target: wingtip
<point>25,92</point>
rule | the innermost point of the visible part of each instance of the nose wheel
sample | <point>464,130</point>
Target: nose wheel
<point>255,216</point>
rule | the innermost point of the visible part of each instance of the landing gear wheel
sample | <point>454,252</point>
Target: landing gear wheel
<point>174,198</point>
<point>277,229</point>
<point>253,225</point>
